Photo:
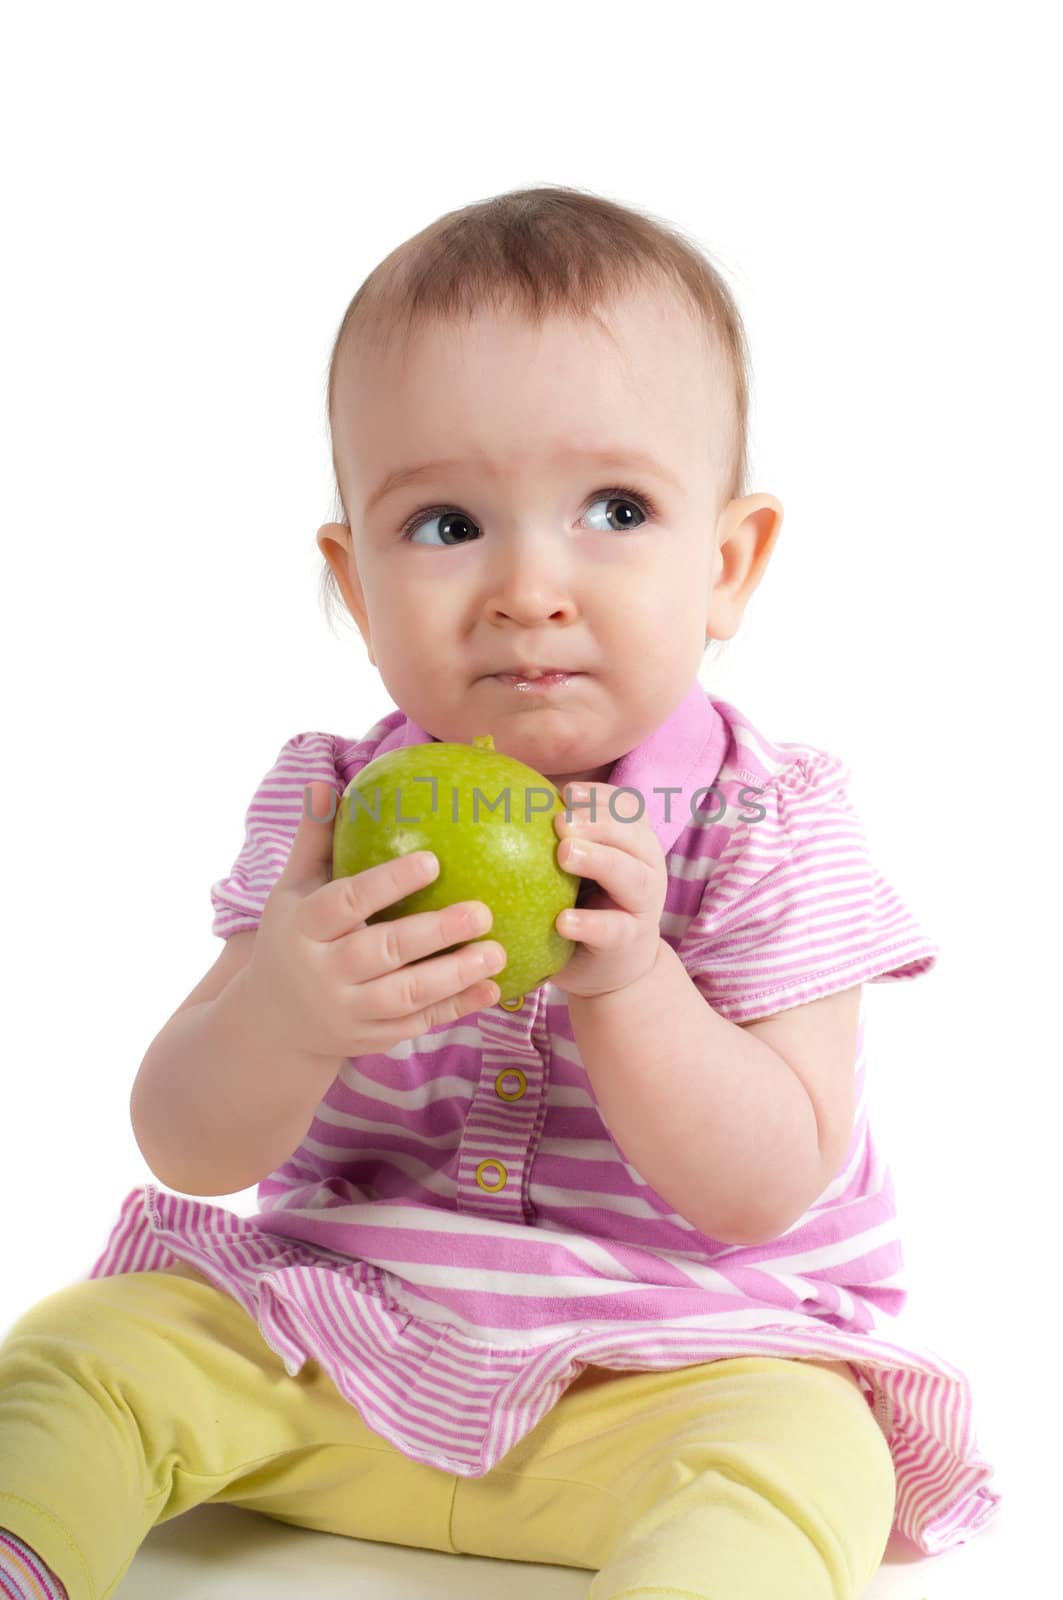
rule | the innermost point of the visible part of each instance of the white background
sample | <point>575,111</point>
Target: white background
<point>193,193</point>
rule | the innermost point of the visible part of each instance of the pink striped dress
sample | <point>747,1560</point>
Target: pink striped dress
<point>459,1235</point>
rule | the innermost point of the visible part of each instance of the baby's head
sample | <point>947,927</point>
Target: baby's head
<point>538,408</point>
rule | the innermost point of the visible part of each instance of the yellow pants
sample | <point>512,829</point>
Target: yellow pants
<point>125,1401</point>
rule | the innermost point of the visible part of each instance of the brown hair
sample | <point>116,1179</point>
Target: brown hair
<point>548,250</point>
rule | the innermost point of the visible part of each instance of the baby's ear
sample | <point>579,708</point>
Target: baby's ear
<point>335,543</point>
<point>745,537</point>
<point>335,533</point>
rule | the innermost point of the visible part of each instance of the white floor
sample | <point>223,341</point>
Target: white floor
<point>223,1553</point>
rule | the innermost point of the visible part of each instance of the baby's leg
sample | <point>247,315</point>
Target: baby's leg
<point>744,1479</point>
<point>127,1400</point>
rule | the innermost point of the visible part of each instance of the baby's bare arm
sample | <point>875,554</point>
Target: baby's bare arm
<point>216,1106</point>
<point>228,1088</point>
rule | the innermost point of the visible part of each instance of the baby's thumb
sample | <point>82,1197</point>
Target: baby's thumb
<point>309,862</point>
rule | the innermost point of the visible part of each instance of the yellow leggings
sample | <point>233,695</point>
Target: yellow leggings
<point>125,1401</point>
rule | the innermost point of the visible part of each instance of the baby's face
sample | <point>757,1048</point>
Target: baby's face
<point>517,546</point>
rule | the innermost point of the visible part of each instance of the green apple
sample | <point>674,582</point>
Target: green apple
<point>489,819</point>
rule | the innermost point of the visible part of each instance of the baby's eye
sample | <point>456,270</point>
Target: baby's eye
<point>454,524</point>
<point>617,502</point>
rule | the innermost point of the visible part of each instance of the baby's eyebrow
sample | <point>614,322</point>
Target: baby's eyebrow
<point>602,458</point>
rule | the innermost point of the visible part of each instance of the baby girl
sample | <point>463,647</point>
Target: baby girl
<point>602,1277</point>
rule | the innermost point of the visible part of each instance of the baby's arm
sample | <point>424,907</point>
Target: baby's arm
<point>215,1106</point>
<point>723,1126</point>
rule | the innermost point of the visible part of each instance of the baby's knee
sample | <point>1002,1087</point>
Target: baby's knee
<point>92,1314</point>
<point>796,1449</point>
<point>856,1442</point>
<point>66,1310</point>
<point>841,1485</point>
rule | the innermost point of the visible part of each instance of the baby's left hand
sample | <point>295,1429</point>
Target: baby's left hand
<point>618,937</point>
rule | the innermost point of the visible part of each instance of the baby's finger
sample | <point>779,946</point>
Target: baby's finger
<point>600,930</point>
<point>627,879</point>
<point>637,838</point>
<point>344,904</point>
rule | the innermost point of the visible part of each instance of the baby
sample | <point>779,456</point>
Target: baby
<point>593,1278</point>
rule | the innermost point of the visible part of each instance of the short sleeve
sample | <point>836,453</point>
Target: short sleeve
<point>796,908</point>
<point>270,825</point>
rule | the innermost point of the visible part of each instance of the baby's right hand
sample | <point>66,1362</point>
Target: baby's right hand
<point>330,985</point>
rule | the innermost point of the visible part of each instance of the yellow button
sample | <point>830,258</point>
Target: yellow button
<point>487,1166</point>
<point>511,1094</point>
<point>512,1005</point>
